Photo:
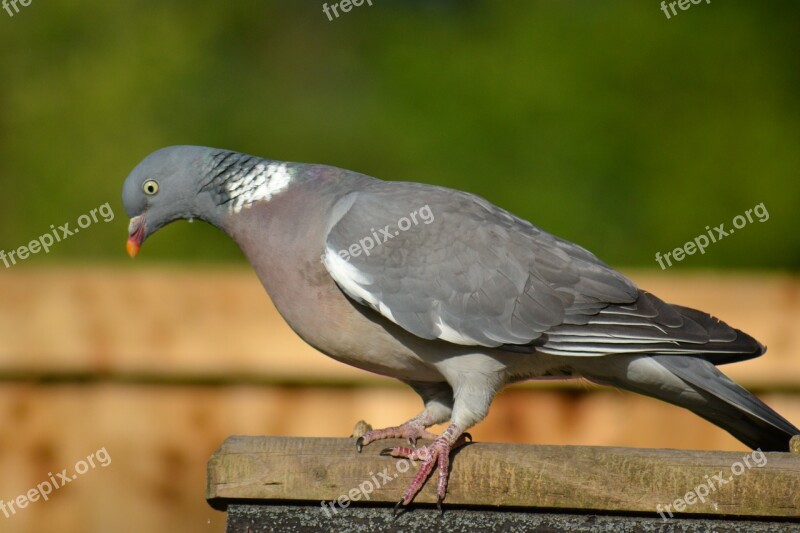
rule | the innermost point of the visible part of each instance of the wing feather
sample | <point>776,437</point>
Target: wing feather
<point>469,273</point>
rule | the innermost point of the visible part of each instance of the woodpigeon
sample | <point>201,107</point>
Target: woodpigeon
<point>446,292</point>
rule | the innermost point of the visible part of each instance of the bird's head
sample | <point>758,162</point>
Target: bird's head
<point>187,182</point>
<point>161,189</point>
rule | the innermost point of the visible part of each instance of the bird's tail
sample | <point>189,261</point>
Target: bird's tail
<point>696,384</point>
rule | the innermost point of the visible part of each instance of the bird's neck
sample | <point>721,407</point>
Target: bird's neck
<point>235,181</point>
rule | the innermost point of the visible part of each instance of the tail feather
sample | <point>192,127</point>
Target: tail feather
<point>669,352</point>
<point>696,384</point>
<point>731,406</point>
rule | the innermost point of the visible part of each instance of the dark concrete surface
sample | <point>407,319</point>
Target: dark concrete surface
<point>243,518</point>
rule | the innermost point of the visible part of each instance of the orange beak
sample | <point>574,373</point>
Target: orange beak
<point>135,235</point>
<point>132,247</point>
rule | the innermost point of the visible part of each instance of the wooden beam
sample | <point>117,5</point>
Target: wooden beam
<point>217,325</point>
<point>584,479</point>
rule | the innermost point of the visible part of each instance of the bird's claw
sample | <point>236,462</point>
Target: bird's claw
<point>398,508</point>
<point>360,444</point>
<point>434,456</point>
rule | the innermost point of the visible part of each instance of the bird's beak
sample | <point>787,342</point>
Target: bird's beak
<point>135,235</point>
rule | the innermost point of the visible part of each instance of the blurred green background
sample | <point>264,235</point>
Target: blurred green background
<point>603,122</point>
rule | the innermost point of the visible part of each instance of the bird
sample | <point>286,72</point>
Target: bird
<point>448,293</point>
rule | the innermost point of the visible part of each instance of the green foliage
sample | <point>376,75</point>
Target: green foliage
<point>602,122</point>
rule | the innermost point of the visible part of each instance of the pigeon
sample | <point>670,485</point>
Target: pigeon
<point>447,293</point>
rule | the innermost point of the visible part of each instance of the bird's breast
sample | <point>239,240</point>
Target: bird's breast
<point>285,250</point>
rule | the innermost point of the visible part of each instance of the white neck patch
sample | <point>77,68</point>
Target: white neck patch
<point>262,183</point>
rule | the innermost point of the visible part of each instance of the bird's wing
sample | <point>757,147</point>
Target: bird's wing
<point>449,265</point>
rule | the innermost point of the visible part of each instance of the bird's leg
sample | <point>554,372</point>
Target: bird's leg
<point>473,392</point>
<point>435,454</point>
<point>438,398</point>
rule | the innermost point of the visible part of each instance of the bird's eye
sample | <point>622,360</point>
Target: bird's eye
<point>150,187</point>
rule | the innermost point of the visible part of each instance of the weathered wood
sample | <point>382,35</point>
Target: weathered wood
<point>585,479</point>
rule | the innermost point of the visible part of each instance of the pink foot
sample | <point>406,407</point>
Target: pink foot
<point>410,430</point>
<point>437,453</point>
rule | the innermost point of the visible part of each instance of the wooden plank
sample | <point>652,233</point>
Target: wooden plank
<point>590,479</point>
<point>141,322</point>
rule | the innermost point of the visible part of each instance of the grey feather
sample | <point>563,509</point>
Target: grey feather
<point>478,270</point>
<point>731,406</point>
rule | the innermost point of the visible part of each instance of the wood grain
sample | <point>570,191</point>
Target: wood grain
<point>625,480</point>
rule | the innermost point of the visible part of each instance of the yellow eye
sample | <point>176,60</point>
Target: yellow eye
<point>150,187</point>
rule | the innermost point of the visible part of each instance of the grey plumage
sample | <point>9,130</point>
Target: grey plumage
<point>459,301</point>
<point>476,269</point>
